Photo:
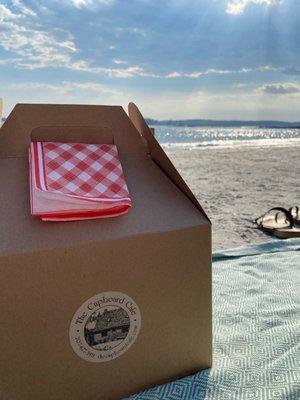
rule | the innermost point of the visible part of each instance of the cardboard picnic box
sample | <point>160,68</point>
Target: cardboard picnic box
<point>104,308</point>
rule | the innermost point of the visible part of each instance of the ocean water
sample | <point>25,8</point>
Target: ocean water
<point>202,137</point>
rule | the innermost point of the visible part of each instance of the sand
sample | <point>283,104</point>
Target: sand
<point>237,184</point>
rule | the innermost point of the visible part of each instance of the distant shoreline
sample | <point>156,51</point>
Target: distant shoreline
<point>194,123</point>
<point>203,123</point>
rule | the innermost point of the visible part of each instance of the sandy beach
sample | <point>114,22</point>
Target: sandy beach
<point>238,184</point>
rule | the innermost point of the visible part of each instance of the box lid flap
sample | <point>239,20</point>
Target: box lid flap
<point>158,154</point>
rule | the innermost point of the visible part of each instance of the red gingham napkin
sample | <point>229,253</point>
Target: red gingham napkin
<point>76,181</point>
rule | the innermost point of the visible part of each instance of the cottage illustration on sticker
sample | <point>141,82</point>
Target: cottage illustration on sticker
<point>105,326</point>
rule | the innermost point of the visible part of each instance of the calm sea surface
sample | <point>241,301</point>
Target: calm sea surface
<point>201,137</point>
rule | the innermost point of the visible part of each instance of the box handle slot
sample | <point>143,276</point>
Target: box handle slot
<point>73,134</point>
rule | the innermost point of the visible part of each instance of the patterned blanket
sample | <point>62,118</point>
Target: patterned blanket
<point>256,325</point>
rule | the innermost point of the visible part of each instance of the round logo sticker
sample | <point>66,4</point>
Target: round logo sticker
<point>105,326</point>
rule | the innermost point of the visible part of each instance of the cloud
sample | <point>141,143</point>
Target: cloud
<point>32,46</point>
<point>202,104</point>
<point>198,74</point>
<point>166,104</point>
<point>64,92</point>
<point>65,87</point>
<point>7,14</point>
<point>52,57</point>
<point>89,3</point>
<point>119,62</point>
<point>174,74</point>
<point>238,6</point>
<point>128,72</point>
<point>35,48</point>
<point>279,88</point>
<point>38,49</point>
<point>23,9</point>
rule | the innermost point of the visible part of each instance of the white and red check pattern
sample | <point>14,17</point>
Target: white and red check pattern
<point>83,170</point>
<point>88,172</point>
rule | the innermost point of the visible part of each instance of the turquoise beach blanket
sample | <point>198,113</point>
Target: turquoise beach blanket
<point>256,328</point>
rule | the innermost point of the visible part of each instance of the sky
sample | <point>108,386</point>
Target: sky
<point>176,59</point>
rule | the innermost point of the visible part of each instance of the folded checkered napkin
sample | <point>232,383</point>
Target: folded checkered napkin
<point>70,181</point>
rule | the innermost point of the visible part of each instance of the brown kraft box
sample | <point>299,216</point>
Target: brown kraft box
<point>100,309</point>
